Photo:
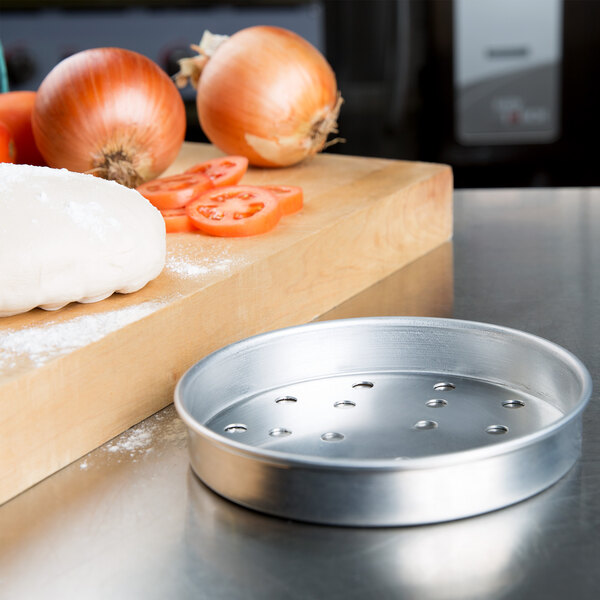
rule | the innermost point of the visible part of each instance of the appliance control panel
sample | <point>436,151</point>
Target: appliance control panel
<point>507,71</point>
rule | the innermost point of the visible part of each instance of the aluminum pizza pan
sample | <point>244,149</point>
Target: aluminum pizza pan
<point>384,421</point>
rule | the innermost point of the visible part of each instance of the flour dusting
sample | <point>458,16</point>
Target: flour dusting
<point>185,268</point>
<point>42,343</point>
<point>155,436</point>
<point>163,429</point>
<point>137,438</point>
<point>92,218</point>
<point>189,262</point>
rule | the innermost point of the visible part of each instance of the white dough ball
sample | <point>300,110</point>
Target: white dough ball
<point>71,237</point>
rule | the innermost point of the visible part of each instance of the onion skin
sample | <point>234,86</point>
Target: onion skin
<point>110,112</point>
<point>269,95</point>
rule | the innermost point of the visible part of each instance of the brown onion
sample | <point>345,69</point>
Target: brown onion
<point>264,93</point>
<point>111,112</point>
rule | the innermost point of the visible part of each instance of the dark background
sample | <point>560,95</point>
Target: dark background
<point>393,60</point>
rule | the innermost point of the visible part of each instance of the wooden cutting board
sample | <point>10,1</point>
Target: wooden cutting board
<point>73,379</point>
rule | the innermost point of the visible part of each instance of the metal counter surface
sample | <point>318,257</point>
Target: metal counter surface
<point>130,520</point>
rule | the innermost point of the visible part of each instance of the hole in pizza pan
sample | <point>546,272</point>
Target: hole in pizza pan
<point>513,404</point>
<point>363,384</point>
<point>497,429</point>
<point>444,386</point>
<point>280,432</point>
<point>286,400</point>
<point>236,428</point>
<point>425,424</point>
<point>436,403</point>
<point>343,404</point>
<point>332,436</point>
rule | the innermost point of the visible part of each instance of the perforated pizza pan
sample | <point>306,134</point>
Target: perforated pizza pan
<point>384,421</point>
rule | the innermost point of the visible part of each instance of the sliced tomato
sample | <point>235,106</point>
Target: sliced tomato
<point>235,211</point>
<point>175,191</point>
<point>177,221</point>
<point>7,145</point>
<point>291,198</point>
<point>227,170</point>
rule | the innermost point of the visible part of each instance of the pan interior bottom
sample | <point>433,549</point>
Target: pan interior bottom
<point>383,416</point>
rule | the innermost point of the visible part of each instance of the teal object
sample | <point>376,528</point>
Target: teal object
<point>3,71</point>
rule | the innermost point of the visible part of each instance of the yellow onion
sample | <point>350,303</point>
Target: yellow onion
<point>264,93</point>
<point>111,112</point>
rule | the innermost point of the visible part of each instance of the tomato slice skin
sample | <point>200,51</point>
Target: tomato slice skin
<point>175,191</point>
<point>177,221</point>
<point>223,171</point>
<point>235,211</point>
<point>291,198</point>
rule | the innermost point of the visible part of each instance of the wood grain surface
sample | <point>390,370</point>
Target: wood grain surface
<point>73,379</point>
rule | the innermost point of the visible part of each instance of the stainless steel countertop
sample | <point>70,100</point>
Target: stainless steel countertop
<point>130,520</point>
